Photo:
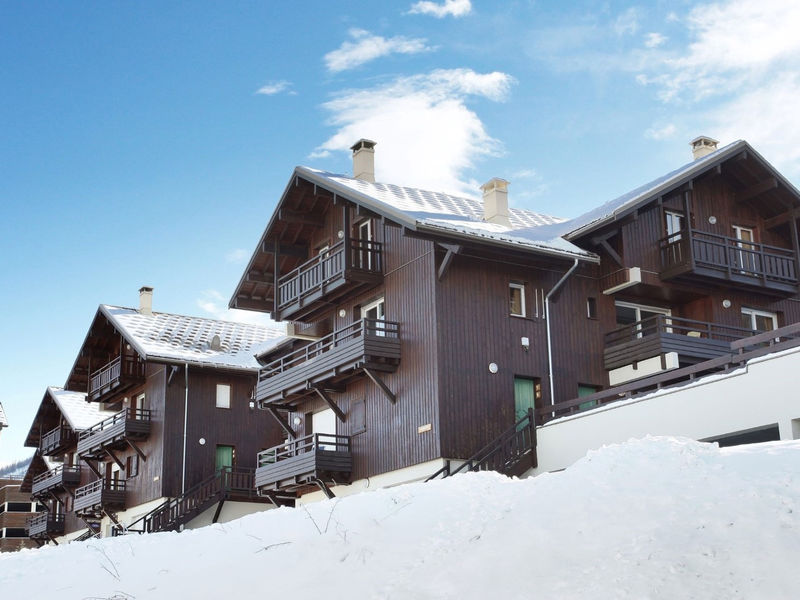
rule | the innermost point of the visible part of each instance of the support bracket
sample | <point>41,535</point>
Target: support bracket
<point>136,449</point>
<point>329,401</point>
<point>286,429</point>
<point>379,382</point>
<point>452,250</point>
<point>325,489</point>
<point>115,459</point>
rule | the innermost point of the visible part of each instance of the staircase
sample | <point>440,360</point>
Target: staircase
<point>512,453</point>
<point>227,483</point>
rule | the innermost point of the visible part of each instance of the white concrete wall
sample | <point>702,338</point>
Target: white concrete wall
<point>230,511</point>
<point>418,472</point>
<point>761,394</point>
<point>128,516</point>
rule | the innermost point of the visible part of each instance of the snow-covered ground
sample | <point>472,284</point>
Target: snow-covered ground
<point>653,518</point>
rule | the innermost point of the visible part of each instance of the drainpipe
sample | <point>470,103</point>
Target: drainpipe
<point>185,418</point>
<point>547,321</point>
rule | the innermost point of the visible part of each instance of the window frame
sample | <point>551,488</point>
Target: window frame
<point>758,312</point>
<point>517,285</point>
<point>217,396</point>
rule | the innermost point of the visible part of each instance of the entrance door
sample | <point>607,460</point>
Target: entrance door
<point>364,235</point>
<point>527,395</point>
<point>225,457</point>
<point>324,421</point>
<point>628,314</point>
<point>746,258</point>
<point>376,311</point>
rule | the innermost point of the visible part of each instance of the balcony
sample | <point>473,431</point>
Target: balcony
<point>45,525</point>
<point>92,499</point>
<point>57,441</point>
<point>55,480</point>
<point>724,258</point>
<point>116,431</point>
<point>120,374</point>
<point>317,459</point>
<point>333,359</point>
<point>693,341</point>
<point>344,269</point>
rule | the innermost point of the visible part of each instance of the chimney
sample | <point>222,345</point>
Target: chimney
<point>364,160</point>
<point>703,146</point>
<point>495,202</point>
<point>146,300</point>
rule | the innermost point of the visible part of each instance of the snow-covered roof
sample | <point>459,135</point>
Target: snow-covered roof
<point>606,212</point>
<point>79,413</point>
<point>3,420</point>
<point>454,215</point>
<point>181,339</point>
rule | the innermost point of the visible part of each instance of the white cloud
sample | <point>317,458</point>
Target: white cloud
<point>216,305</point>
<point>661,133</point>
<point>237,255</point>
<point>627,22</point>
<point>367,47</point>
<point>452,8</point>
<point>273,87</point>
<point>654,40</point>
<point>427,137</point>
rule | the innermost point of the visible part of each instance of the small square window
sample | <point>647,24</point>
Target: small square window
<point>223,395</point>
<point>591,308</point>
<point>516,299</point>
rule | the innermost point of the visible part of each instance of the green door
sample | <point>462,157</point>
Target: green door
<point>526,392</point>
<point>224,457</point>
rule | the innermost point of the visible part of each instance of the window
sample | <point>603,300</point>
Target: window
<point>225,457</point>
<point>132,466</point>
<point>759,320</point>
<point>674,224</point>
<point>18,507</point>
<point>376,313</point>
<point>746,257</point>
<point>584,390</point>
<point>516,301</point>
<point>364,236</point>
<point>223,395</point>
<point>634,314</point>
<point>591,308</point>
<point>358,417</point>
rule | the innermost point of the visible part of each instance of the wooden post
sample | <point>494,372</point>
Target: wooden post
<point>687,207</point>
<point>795,245</point>
<point>276,279</point>
<point>348,251</point>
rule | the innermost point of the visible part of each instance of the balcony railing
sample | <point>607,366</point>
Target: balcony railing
<point>130,423</point>
<point>320,456</point>
<point>367,342</point>
<point>353,261</point>
<point>58,478</point>
<point>121,373</point>
<point>45,525</point>
<point>99,495</point>
<point>692,340</point>
<point>718,256</point>
<point>56,440</point>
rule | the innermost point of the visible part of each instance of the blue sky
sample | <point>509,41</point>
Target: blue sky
<point>147,143</point>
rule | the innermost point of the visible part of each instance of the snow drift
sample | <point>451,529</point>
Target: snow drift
<point>653,518</point>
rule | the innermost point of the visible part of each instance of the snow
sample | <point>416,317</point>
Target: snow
<point>652,518</point>
<point>79,413</point>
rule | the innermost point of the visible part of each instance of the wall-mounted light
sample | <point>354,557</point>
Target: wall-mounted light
<point>526,343</point>
<point>340,234</point>
<point>726,303</point>
<point>712,219</point>
<point>492,368</point>
<point>202,441</point>
<point>297,420</point>
<point>252,404</point>
<point>342,313</point>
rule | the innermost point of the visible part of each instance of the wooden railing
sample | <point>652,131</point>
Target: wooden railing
<point>55,438</point>
<point>502,454</point>
<point>664,324</point>
<point>317,272</point>
<point>114,485</point>
<point>119,368</point>
<point>730,256</point>
<point>363,327</point>
<point>135,414</point>
<point>309,443</point>
<point>61,475</point>
<point>172,513</point>
<point>44,523</point>
<point>741,350</point>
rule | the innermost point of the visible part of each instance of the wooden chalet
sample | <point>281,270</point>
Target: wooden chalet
<point>153,429</point>
<point>425,329</point>
<point>16,509</point>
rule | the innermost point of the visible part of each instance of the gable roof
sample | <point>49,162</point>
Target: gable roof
<point>621,206</point>
<point>79,413</point>
<point>180,339</point>
<point>457,216</point>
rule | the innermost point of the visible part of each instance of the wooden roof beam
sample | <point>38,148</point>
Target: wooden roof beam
<point>293,216</point>
<point>782,218</point>
<point>297,250</point>
<point>260,276</point>
<point>770,183</point>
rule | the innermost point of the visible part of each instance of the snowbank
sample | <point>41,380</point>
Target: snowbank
<point>654,518</point>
